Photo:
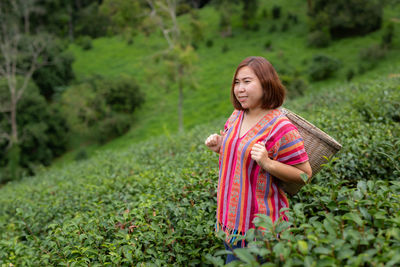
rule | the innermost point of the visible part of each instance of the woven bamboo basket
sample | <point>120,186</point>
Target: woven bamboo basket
<point>317,143</point>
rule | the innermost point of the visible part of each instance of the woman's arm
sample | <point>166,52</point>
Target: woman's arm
<point>287,173</point>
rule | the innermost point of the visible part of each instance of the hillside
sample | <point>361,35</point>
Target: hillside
<point>289,53</point>
<point>148,198</point>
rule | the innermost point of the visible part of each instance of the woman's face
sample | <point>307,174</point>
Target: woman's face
<point>248,90</point>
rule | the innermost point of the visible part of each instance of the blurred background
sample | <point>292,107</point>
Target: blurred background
<point>85,75</point>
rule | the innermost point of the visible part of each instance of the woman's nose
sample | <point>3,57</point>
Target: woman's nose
<point>242,87</point>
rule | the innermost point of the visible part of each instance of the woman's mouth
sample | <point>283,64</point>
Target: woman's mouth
<point>242,98</point>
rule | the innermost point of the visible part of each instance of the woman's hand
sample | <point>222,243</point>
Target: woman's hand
<point>287,173</point>
<point>214,141</point>
<point>260,155</point>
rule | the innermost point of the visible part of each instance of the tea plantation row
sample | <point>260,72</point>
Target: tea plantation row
<point>154,203</point>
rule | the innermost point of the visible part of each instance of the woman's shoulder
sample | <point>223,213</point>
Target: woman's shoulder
<point>232,118</point>
<point>282,123</point>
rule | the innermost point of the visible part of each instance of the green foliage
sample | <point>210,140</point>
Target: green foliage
<point>58,73</point>
<point>42,131</point>
<point>347,215</point>
<point>295,85</point>
<point>125,16</point>
<point>370,56</point>
<point>319,38</point>
<point>350,74</point>
<point>323,67</point>
<point>347,17</point>
<point>101,108</point>
<point>348,230</point>
<point>276,12</point>
<point>249,15</point>
<point>388,34</point>
<point>154,203</point>
<point>85,42</point>
<point>91,22</point>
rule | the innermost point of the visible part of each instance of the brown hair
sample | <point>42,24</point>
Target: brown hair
<point>274,91</point>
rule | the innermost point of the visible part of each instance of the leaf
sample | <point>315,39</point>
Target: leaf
<point>353,216</point>
<point>244,255</point>
<point>303,246</point>
<point>322,250</point>
<point>304,177</point>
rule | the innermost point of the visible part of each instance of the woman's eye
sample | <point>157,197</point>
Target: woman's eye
<point>247,81</point>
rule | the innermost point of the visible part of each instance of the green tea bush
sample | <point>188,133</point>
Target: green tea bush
<point>348,215</point>
<point>154,202</point>
<point>323,67</point>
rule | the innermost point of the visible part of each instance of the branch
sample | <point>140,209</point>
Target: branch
<point>37,48</point>
<point>160,22</point>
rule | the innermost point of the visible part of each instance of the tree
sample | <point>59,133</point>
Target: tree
<point>21,55</point>
<point>180,55</point>
<point>346,18</point>
<point>249,15</point>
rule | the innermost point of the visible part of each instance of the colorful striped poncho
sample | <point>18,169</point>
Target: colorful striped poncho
<point>245,189</point>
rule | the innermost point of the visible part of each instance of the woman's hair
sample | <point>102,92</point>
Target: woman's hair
<point>274,91</point>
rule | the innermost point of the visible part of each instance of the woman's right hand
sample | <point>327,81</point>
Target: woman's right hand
<point>214,141</point>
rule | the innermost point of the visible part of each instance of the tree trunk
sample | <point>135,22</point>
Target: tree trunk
<point>71,24</point>
<point>14,126</point>
<point>13,161</point>
<point>180,107</point>
<point>26,22</point>
<point>309,2</point>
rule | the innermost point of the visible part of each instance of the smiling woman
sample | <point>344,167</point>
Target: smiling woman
<point>258,147</point>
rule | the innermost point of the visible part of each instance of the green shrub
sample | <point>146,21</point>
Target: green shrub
<point>100,108</point>
<point>268,45</point>
<point>294,85</point>
<point>225,48</point>
<point>388,34</point>
<point>276,12</point>
<point>112,126</point>
<point>345,18</point>
<point>285,27</point>
<point>370,56</point>
<point>85,42</point>
<point>58,73</point>
<point>264,13</point>
<point>319,38</point>
<point>81,155</point>
<point>42,130</point>
<point>323,67</point>
<point>293,18</point>
<point>350,74</point>
<point>272,28</point>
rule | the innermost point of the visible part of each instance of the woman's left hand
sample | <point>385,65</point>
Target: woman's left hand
<point>260,155</point>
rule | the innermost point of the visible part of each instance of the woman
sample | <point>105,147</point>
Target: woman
<point>258,147</point>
